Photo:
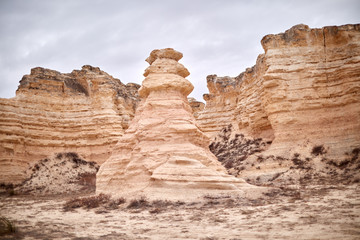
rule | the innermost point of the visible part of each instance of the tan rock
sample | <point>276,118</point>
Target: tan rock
<point>163,154</point>
<point>85,111</point>
<point>196,106</point>
<point>304,91</point>
<point>316,98</point>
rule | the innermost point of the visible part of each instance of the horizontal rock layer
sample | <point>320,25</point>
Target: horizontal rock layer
<point>85,111</point>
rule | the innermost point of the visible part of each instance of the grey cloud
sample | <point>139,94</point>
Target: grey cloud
<point>216,37</point>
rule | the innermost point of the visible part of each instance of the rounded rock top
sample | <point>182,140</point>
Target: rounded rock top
<point>164,53</point>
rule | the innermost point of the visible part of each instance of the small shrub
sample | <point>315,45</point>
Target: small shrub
<point>318,150</point>
<point>355,152</point>
<point>297,161</point>
<point>229,164</point>
<point>71,155</point>
<point>138,203</point>
<point>155,211</point>
<point>11,192</point>
<point>87,202</point>
<point>242,168</point>
<point>6,226</point>
<point>161,203</point>
<point>114,204</point>
<point>179,203</point>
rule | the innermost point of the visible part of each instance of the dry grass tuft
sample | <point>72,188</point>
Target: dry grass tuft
<point>6,226</point>
<point>93,202</point>
<point>138,203</point>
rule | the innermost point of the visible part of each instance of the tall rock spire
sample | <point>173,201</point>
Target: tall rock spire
<point>163,154</point>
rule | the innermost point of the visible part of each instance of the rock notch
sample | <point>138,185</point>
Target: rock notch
<point>163,154</point>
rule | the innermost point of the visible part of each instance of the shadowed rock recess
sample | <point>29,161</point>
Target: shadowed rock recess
<point>163,154</point>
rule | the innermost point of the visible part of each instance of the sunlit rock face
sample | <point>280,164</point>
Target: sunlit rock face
<point>163,154</point>
<point>304,91</point>
<point>85,111</point>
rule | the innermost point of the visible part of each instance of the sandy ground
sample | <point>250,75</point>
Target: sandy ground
<point>316,212</point>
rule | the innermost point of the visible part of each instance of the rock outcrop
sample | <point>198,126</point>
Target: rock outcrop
<point>304,91</point>
<point>85,111</point>
<point>163,154</point>
<point>196,106</point>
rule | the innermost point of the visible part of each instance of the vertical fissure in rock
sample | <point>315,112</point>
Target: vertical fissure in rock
<point>325,59</point>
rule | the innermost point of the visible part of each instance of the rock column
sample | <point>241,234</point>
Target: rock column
<point>163,154</point>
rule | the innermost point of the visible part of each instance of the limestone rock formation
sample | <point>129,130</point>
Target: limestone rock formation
<point>85,111</point>
<point>196,106</point>
<point>163,154</point>
<point>312,87</point>
<point>304,91</point>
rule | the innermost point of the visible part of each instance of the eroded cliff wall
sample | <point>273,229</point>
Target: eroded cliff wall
<point>85,111</point>
<point>303,91</point>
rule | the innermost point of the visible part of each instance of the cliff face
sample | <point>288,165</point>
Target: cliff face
<point>303,91</point>
<point>236,101</point>
<point>312,87</point>
<point>85,111</point>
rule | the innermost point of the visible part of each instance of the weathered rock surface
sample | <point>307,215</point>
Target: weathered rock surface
<point>304,91</point>
<point>163,154</point>
<point>85,111</point>
<point>196,106</point>
<point>312,88</point>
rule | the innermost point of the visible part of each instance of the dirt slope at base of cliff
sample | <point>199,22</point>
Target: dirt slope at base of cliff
<point>64,173</point>
<point>246,158</point>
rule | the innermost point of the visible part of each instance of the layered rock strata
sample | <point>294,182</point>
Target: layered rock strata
<point>85,111</point>
<point>163,154</point>
<point>304,91</point>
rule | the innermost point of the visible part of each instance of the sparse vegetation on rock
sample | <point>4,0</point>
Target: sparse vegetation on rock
<point>244,157</point>
<point>65,172</point>
<point>101,200</point>
<point>231,150</point>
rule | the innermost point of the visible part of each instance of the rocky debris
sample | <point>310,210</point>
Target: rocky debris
<point>85,111</point>
<point>302,171</point>
<point>303,91</point>
<point>163,155</point>
<point>64,173</point>
<point>246,158</point>
<point>231,149</point>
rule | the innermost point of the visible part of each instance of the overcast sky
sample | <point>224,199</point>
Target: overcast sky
<point>216,36</point>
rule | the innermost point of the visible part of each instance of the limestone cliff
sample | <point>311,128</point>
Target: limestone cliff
<point>304,91</point>
<point>85,111</point>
